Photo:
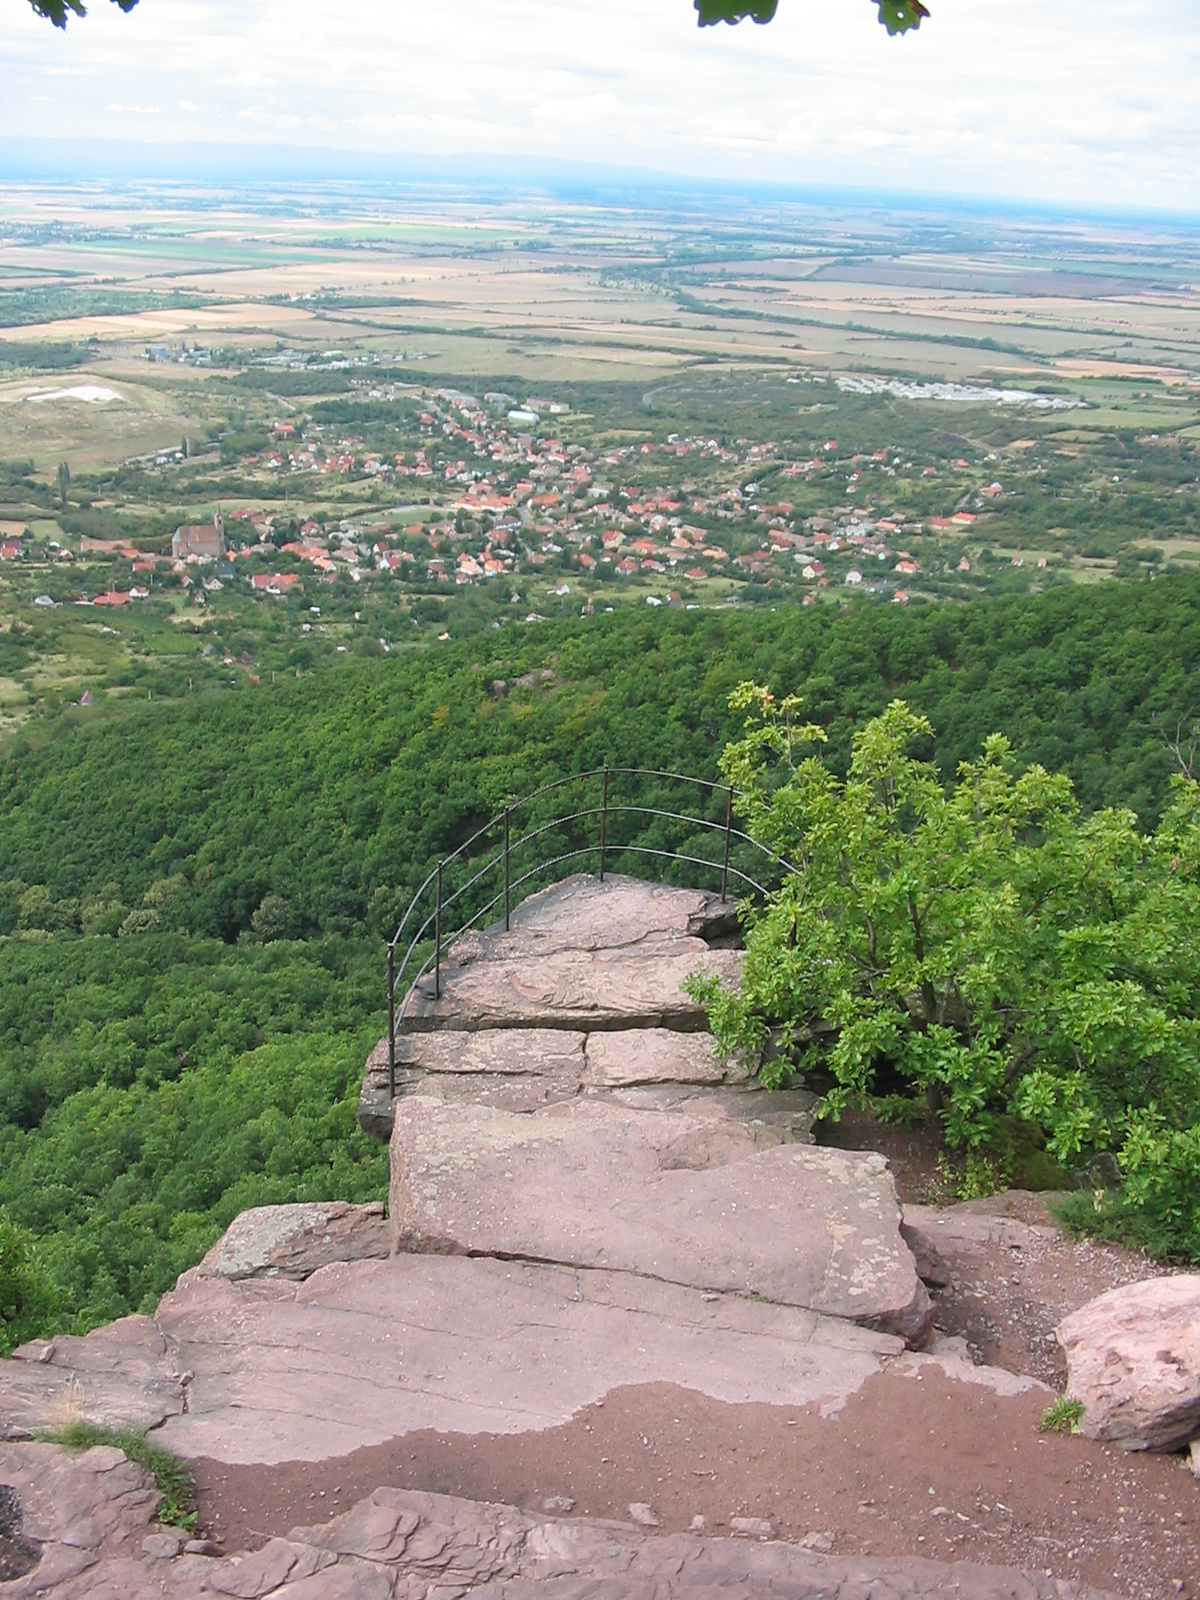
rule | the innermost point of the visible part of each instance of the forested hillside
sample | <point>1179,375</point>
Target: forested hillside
<point>194,892</point>
<point>333,787</point>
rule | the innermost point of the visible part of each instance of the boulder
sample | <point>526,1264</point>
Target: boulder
<point>1133,1358</point>
<point>686,1199</point>
<point>292,1241</point>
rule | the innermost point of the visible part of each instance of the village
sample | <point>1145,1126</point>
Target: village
<point>489,495</point>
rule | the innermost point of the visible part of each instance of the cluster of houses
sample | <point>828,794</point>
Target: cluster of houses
<point>504,501</point>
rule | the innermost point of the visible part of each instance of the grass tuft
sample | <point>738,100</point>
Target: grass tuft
<point>170,1475</point>
<point>1063,1416</point>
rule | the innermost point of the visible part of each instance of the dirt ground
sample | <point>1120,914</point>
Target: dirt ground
<point>909,1466</point>
<point>915,1465</point>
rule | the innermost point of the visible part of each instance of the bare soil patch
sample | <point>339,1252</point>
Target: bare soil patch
<point>923,1466</point>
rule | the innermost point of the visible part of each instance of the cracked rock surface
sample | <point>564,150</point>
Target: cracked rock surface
<point>661,1194</point>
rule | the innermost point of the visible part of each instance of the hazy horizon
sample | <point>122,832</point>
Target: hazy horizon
<point>1081,106</point>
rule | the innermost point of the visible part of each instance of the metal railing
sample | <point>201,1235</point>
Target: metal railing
<point>491,849</point>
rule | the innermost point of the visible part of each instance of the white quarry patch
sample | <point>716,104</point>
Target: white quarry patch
<point>956,393</point>
<point>96,394</point>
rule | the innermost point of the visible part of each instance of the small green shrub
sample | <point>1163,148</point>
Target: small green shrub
<point>972,1177</point>
<point>169,1474</point>
<point>902,1109</point>
<point>1063,1416</point>
<point>1110,1215</point>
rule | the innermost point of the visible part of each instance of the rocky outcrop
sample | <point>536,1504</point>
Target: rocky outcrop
<point>581,995</point>
<point>118,1375</point>
<point>656,1055</point>
<point>581,955</point>
<point>372,1350</point>
<point>89,1520</point>
<point>686,1199</point>
<point>294,1241</point>
<point>1133,1357</point>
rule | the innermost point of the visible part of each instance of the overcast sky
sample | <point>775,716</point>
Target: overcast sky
<point>1088,102</point>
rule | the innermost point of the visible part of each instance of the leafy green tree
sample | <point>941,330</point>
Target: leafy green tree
<point>272,920</point>
<point>57,11</point>
<point>897,16</point>
<point>985,945</point>
<point>28,1296</point>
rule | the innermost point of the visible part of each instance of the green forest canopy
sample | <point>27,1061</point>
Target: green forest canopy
<point>156,1081</point>
<point>897,16</point>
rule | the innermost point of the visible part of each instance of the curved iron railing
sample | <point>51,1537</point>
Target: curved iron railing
<point>414,930</point>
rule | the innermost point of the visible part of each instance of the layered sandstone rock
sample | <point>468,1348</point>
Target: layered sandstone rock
<point>581,955</point>
<point>681,1198</point>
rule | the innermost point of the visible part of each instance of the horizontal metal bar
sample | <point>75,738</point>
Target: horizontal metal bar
<point>536,794</point>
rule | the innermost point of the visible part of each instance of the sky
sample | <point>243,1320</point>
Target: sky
<point>1084,103</point>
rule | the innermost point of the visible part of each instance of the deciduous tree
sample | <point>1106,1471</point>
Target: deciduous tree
<point>984,945</point>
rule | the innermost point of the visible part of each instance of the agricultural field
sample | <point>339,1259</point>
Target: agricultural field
<point>419,423</point>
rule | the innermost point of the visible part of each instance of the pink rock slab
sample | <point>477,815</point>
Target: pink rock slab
<point>581,913</point>
<point>366,1352</point>
<point>656,1055</point>
<point>582,954</point>
<point>91,1516</point>
<point>118,1375</point>
<point>605,988</point>
<point>681,1198</point>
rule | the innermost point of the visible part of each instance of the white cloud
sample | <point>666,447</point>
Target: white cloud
<point>1084,101</point>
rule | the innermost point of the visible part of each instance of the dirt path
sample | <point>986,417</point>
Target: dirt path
<point>908,1466</point>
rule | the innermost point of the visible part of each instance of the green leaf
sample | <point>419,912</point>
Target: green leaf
<point>714,11</point>
<point>898,16</point>
<point>57,11</point>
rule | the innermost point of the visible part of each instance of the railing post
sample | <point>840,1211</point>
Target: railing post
<point>603,820</point>
<point>728,827</point>
<point>507,815</point>
<point>391,1021</point>
<point>437,939</point>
